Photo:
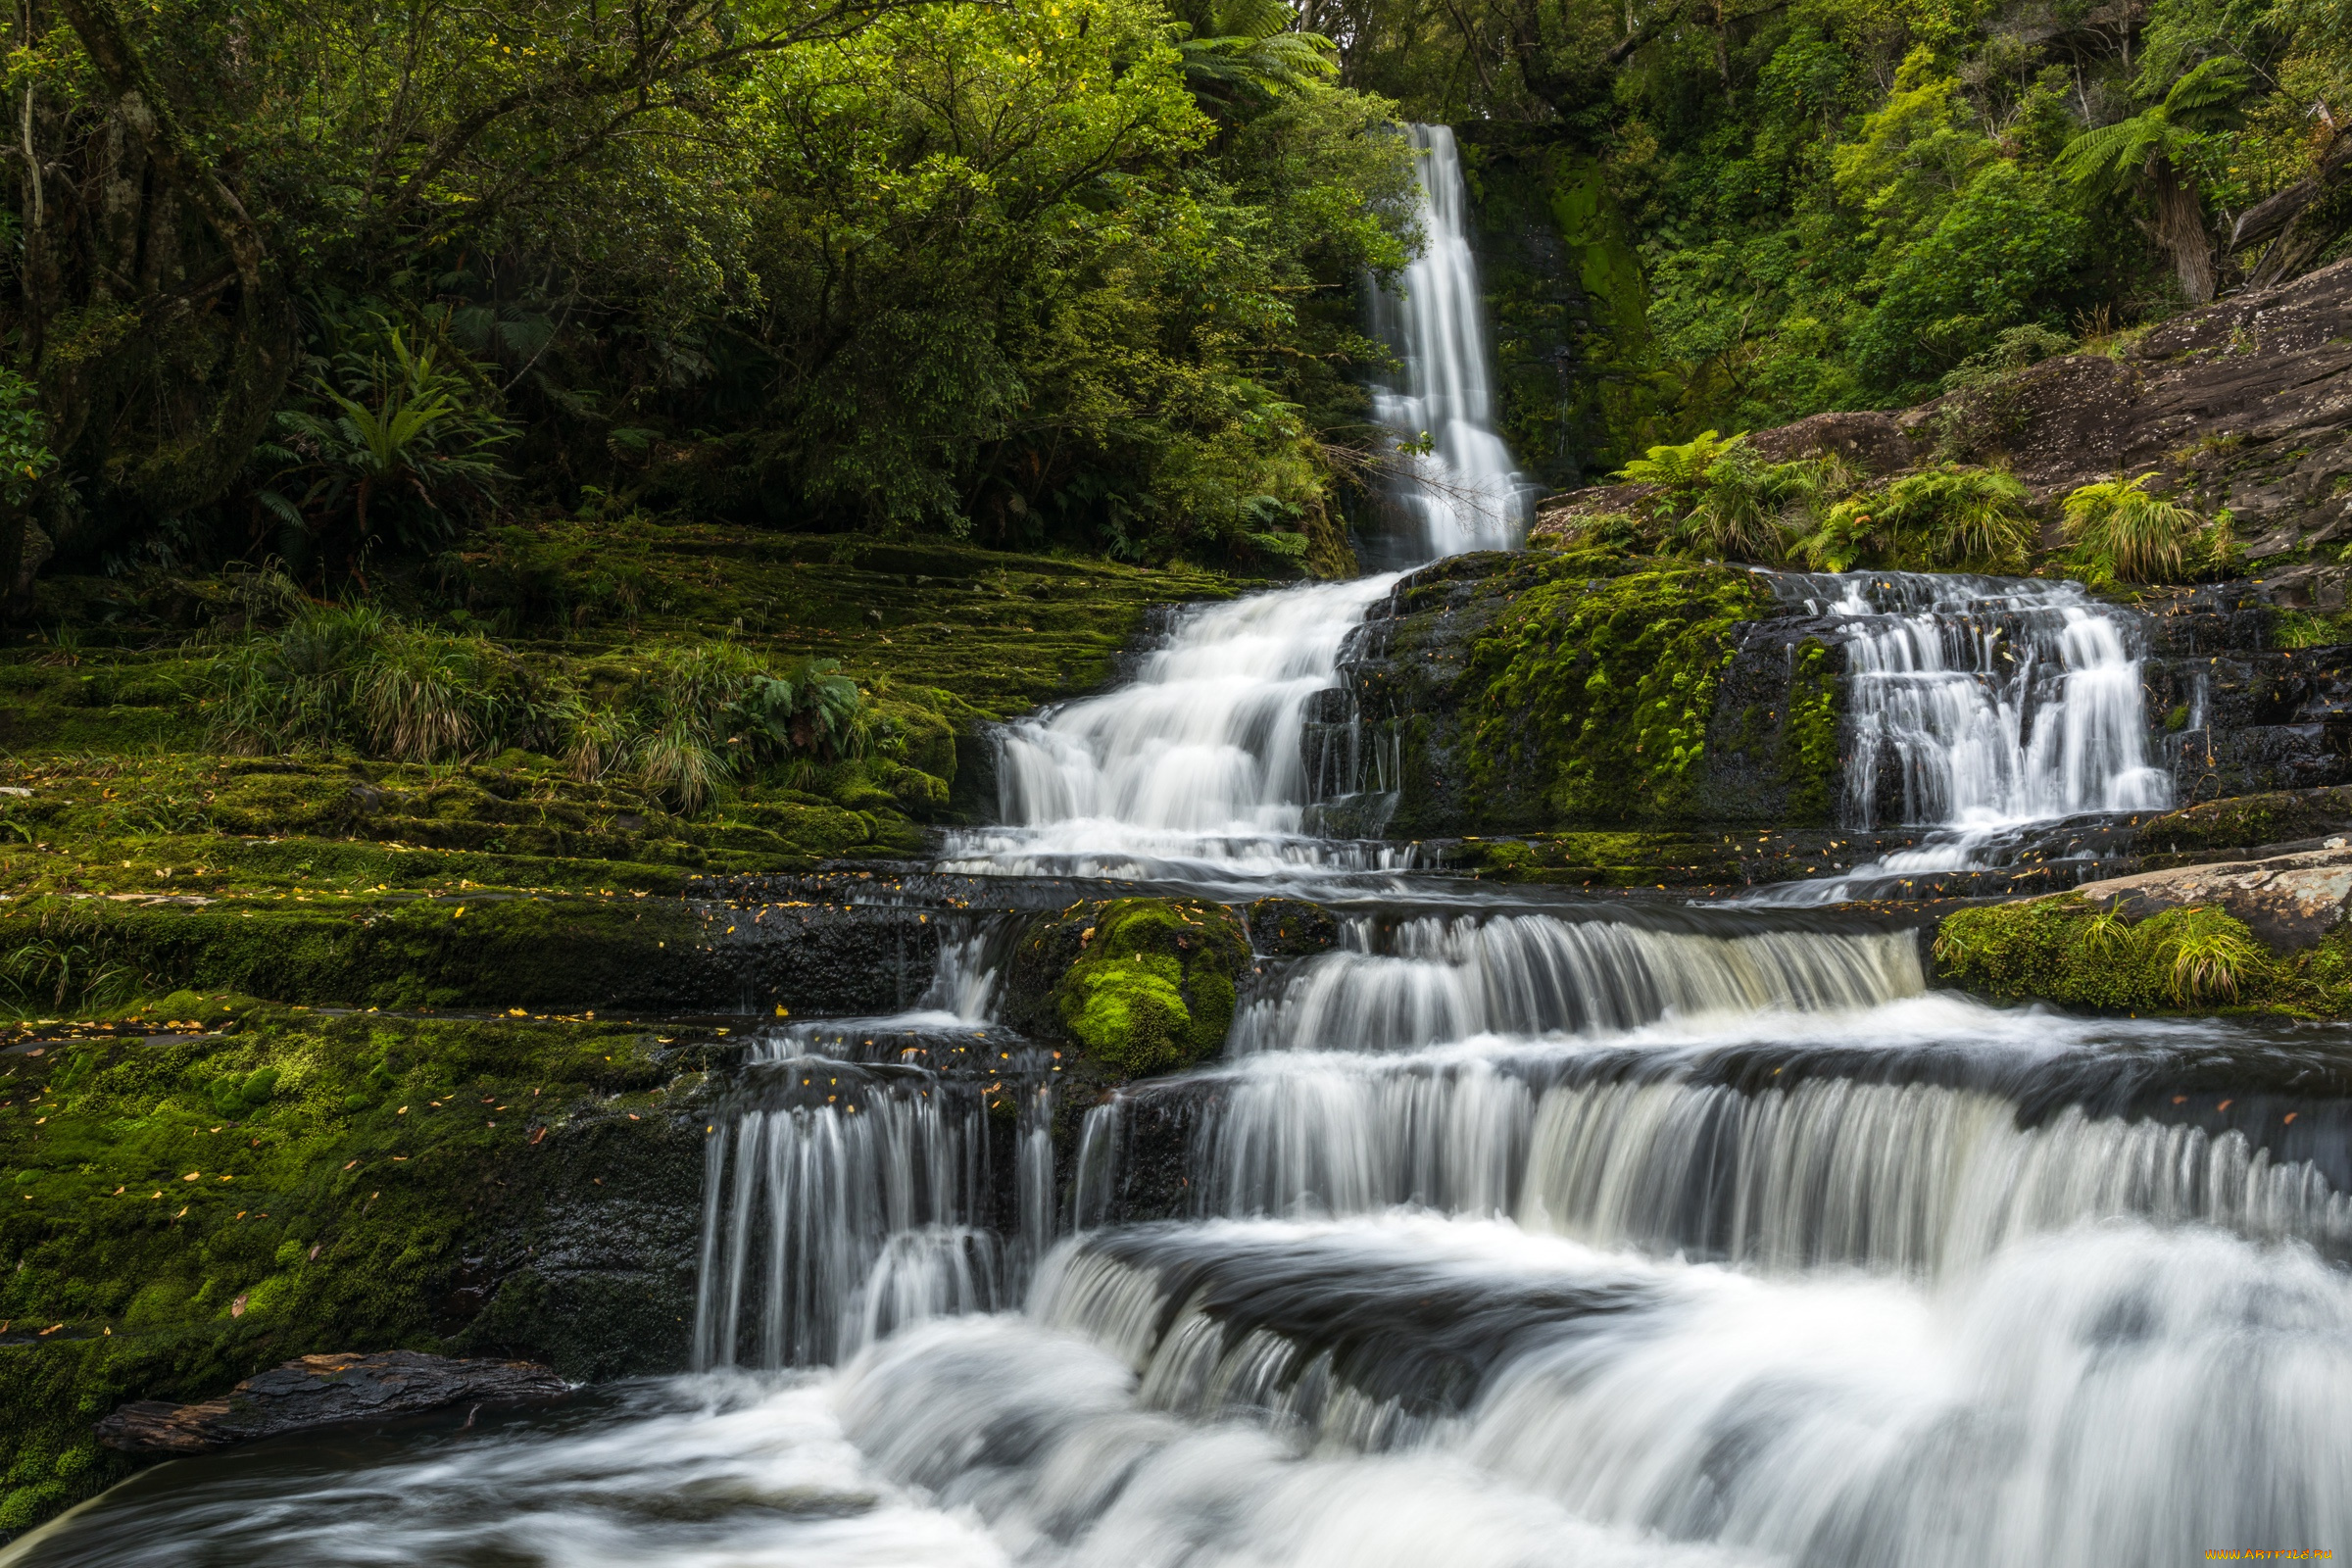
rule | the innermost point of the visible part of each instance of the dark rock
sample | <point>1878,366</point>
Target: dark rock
<point>325,1391</point>
<point>1291,928</point>
<point>1869,440</point>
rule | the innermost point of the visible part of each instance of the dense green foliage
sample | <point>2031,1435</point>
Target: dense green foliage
<point>1064,272</point>
<point>1078,272</point>
<point>1846,203</point>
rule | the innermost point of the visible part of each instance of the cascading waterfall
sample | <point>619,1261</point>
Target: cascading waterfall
<point>1194,764</point>
<point>1505,1232</point>
<point>1977,707</point>
<point>1432,978</point>
<point>1463,493</point>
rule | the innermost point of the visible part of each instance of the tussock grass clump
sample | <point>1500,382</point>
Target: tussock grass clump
<point>2068,951</point>
<point>680,723</point>
<point>1950,516</point>
<point>2121,532</point>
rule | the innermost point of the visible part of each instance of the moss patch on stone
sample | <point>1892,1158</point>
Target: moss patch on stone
<point>182,1214</point>
<point>2195,958</point>
<point>483,950</point>
<point>1139,985</point>
<point>1602,688</point>
<point>1809,755</point>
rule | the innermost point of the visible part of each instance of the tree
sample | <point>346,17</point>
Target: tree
<point>2156,150</point>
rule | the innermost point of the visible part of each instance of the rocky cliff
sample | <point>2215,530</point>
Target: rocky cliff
<point>2244,405</point>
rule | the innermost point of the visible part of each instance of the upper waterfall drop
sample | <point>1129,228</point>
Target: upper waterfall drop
<point>1465,493</point>
<point>1194,767</point>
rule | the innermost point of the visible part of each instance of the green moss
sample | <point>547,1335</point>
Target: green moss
<point>2193,959</point>
<point>2248,821</point>
<point>163,1246</point>
<point>1809,759</point>
<point>1603,687</point>
<point>458,949</point>
<point>1140,984</point>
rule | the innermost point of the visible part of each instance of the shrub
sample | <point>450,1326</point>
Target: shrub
<point>1681,470</point>
<point>2062,950</point>
<point>686,723</point>
<point>1940,519</point>
<point>2119,530</point>
<point>1737,516</point>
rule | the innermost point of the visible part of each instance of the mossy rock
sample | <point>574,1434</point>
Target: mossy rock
<point>2250,821</point>
<point>1139,985</point>
<point>187,1213</point>
<point>1289,928</point>
<point>2195,958</point>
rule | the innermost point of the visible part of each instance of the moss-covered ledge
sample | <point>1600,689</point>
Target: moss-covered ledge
<point>185,1209</point>
<point>1592,693</point>
<point>2082,952</point>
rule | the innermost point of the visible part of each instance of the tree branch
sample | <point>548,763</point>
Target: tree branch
<point>145,110</point>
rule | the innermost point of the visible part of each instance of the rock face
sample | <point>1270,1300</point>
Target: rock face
<point>2245,403</point>
<point>325,1391</point>
<point>2241,714</point>
<point>2289,901</point>
<point>1500,694</point>
<point>1579,384</point>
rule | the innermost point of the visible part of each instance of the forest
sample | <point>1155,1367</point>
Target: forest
<point>338,286</point>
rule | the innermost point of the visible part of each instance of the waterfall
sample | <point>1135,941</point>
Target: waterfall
<point>1508,1229</point>
<point>1463,493</point>
<point>1194,764</point>
<point>1430,978</point>
<point>1977,707</point>
<point>826,1226</point>
<point>1904,1177</point>
<point>1415,1390</point>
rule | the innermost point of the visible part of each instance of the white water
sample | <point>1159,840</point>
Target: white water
<point>1500,1239</point>
<point>1434,979</point>
<point>1999,703</point>
<point>1194,765</point>
<point>1464,493</point>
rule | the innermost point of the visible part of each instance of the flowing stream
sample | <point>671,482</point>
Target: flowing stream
<point>1505,1231</point>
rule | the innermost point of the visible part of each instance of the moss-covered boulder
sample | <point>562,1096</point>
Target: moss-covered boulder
<point>1562,693</point>
<point>1139,985</point>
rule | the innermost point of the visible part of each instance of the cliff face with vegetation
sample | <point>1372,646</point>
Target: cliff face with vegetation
<point>1580,386</point>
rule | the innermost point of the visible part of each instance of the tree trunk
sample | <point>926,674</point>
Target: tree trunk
<point>2300,221</point>
<point>2181,230</point>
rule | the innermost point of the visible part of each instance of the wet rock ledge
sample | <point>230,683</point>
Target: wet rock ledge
<point>313,1391</point>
